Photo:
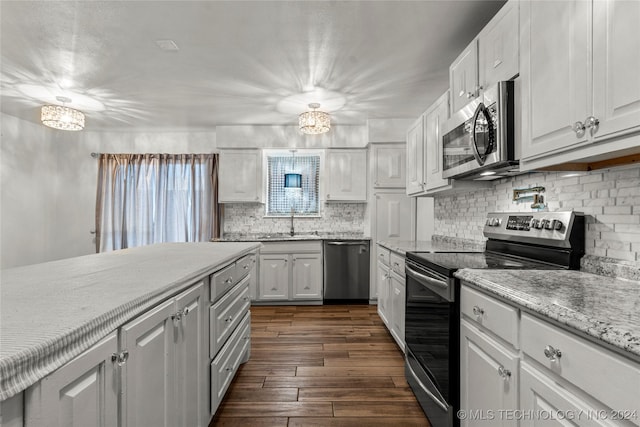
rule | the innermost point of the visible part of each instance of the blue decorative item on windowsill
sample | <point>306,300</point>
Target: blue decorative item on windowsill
<point>292,180</point>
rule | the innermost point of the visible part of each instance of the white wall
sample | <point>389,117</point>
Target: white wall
<point>248,136</point>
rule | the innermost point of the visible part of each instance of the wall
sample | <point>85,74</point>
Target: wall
<point>609,197</point>
<point>335,218</point>
<point>254,136</point>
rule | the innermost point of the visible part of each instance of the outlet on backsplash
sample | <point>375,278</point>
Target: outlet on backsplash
<point>249,218</point>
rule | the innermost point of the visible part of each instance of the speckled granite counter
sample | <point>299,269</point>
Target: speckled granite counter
<point>603,308</point>
<point>438,244</point>
<point>52,312</point>
<point>277,237</point>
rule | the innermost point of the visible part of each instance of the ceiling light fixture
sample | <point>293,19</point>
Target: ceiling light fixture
<point>314,122</point>
<point>62,117</point>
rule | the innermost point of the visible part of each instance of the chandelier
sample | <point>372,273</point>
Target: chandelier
<point>314,122</point>
<point>62,117</point>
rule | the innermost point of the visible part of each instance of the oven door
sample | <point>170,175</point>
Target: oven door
<point>432,343</point>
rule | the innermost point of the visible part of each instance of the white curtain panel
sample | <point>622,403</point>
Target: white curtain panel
<point>152,198</point>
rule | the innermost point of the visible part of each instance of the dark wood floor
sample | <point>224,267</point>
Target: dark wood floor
<point>331,365</point>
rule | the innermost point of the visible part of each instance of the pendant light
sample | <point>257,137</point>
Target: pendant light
<point>292,179</point>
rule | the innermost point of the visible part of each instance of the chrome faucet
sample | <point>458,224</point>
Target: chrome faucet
<point>292,231</point>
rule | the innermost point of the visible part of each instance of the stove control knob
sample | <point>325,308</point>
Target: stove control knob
<point>534,223</point>
<point>548,225</point>
<point>557,224</point>
<point>540,223</point>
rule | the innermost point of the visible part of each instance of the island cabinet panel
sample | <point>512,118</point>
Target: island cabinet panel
<point>148,380</point>
<point>84,392</point>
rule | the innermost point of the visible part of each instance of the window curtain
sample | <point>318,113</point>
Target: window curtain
<point>152,198</point>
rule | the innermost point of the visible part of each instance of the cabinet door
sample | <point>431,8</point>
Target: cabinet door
<point>84,392</point>
<point>253,279</point>
<point>435,117</point>
<point>398,308</point>
<point>394,216</point>
<point>307,276</point>
<point>191,358</point>
<point>240,176</point>
<point>463,77</point>
<point>555,74</point>
<point>384,293</point>
<point>488,377</point>
<point>539,394</point>
<point>346,175</point>
<point>616,61</point>
<point>415,157</point>
<point>498,46</point>
<point>147,376</point>
<point>274,277</point>
<point>389,166</point>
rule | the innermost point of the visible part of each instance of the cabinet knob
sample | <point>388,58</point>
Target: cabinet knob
<point>185,311</point>
<point>579,129</point>
<point>470,95</point>
<point>478,311</point>
<point>120,358</point>
<point>229,280</point>
<point>592,124</point>
<point>552,353</point>
<point>328,196</point>
<point>504,373</point>
<point>246,267</point>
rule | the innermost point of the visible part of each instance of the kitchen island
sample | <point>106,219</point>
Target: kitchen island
<point>53,312</point>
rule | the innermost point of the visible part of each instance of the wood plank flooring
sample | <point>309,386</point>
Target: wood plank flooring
<point>330,365</point>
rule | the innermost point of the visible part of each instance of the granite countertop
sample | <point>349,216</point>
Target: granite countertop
<point>276,237</point>
<point>605,309</point>
<point>438,244</point>
<point>52,312</point>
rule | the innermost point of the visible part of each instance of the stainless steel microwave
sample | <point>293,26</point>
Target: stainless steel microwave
<point>478,140</point>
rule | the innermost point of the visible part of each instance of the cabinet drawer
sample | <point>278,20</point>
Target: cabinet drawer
<point>384,255</point>
<point>225,315</point>
<point>499,318</point>
<point>396,262</point>
<point>300,246</point>
<point>224,367</point>
<point>222,281</point>
<point>599,372</point>
<point>244,266</point>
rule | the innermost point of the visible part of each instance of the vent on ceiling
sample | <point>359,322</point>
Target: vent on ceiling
<point>167,45</point>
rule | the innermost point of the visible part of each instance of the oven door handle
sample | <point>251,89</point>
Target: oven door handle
<point>425,389</point>
<point>426,279</point>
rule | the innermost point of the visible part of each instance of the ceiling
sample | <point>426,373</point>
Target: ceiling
<point>238,62</point>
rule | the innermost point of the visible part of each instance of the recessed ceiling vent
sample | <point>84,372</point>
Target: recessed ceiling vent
<point>167,45</point>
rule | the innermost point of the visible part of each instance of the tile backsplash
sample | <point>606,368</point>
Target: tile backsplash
<point>610,199</point>
<point>250,218</point>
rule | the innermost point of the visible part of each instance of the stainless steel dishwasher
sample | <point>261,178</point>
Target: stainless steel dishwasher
<point>346,270</point>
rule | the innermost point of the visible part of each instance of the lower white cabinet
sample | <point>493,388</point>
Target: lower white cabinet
<point>398,292</point>
<point>384,295</point>
<point>488,377</point>
<point>291,271</point>
<point>390,280</point>
<point>84,392</point>
<point>162,376</point>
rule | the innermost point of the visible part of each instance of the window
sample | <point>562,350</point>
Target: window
<point>281,200</point>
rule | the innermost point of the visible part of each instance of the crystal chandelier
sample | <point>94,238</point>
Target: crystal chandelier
<point>62,117</point>
<point>314,122</point>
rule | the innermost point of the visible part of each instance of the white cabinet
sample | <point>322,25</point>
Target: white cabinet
<point>390,282</point>
<point>394,215</point>
<point>415,158</point>
<point>162,377</point>
<point>240,176</point>
<point>84,392</point>
<point>488,59</point>
<point>488,376</point>
<point>291,271</point>
<point>389,165</point>
<point>346,175</point>
<point>580,88</point>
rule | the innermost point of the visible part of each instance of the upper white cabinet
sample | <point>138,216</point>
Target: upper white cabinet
<point>389,165</point>
<point>240,176</point>
<point>488,59</point>
<point>415,158</point>
<point>580,85</point>
<point>346,175</point>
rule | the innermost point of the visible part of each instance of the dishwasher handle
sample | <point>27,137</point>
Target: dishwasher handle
<point>347,243</point>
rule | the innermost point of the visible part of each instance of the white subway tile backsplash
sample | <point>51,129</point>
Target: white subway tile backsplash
<point>610,199</point>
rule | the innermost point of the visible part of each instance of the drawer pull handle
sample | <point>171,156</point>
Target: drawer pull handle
<point>245,299</point>
<point>228,368</point>
<point>478,311</point>
<point>229,280</point>
<point>246,267</point>
<point>228,319</point>
<point>504,373</point>
<point>552,354</point>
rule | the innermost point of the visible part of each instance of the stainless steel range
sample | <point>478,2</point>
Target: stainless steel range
<point>537,240</point>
